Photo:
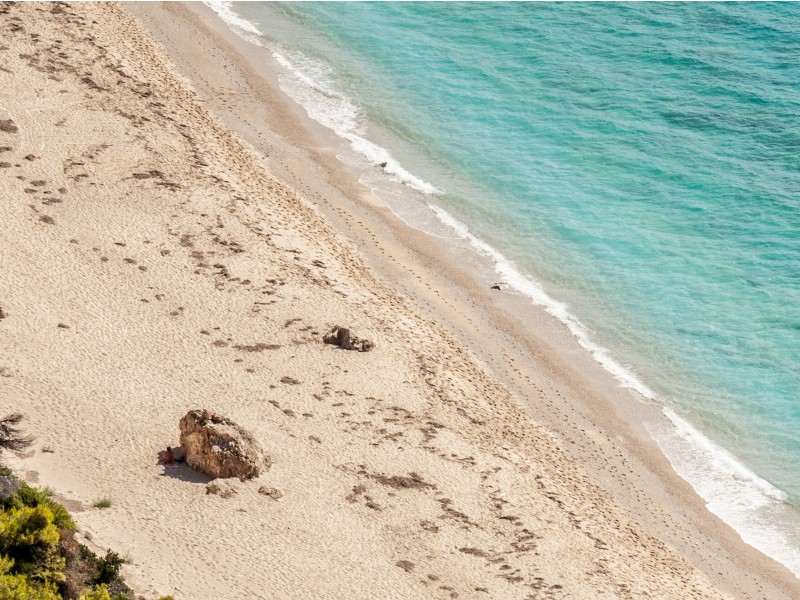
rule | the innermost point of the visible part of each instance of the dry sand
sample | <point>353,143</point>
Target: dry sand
<point>170,244</point>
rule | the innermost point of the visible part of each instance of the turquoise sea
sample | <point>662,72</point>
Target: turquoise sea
<point>634,168</point>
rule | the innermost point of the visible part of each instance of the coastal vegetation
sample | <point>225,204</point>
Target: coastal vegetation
<point>40,559</point>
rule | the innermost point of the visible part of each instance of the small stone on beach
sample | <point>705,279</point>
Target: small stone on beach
<point>272,492</point>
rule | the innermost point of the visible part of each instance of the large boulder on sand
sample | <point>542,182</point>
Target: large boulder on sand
<point>218,447</point>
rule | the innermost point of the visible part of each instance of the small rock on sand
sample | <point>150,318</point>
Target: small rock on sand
<point>341,336</point>
<point>272,492</point>
<point>223,489</point>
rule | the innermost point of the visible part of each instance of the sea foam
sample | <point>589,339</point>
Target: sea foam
<point>309,83</point>
<point>529,287</point>
<point>757,510</point>
<point>246,29</point>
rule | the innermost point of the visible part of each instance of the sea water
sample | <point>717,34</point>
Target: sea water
<point>633,168</point>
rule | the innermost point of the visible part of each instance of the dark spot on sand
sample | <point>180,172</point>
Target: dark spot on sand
<point>401,482</point>
<point>406,565</point>
<point>473,551</point>
<point>8,126</point>
<point>259,347</point>
<point>148,175</point>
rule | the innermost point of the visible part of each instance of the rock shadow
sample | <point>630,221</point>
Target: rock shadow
<point>185,473</point>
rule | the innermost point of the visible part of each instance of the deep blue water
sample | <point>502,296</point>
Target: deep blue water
<point>640,162</point>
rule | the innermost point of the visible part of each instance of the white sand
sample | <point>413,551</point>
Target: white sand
<point>145,245</point>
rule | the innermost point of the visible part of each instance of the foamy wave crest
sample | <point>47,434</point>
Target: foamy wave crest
<point>243,27</point>
<point>530,288</point>
<point>756,509</point>
<point>311,84</point>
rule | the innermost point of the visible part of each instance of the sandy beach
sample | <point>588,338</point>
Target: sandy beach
<point>178,235</point>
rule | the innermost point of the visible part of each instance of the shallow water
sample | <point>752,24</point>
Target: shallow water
<point>632,167</point>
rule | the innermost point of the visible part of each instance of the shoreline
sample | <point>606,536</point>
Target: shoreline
<point>639,415</point>
<point>596,425</point>
<point>634,413</point>
<point>765,516</point>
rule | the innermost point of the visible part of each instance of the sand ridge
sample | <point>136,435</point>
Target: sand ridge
<point>151,264</point>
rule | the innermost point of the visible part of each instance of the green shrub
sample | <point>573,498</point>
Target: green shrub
<point>98,593</point>
<point>27,533</point>
<point>108,568</point>
<point>32,497</point>
<point>41,560</point>
<point>29,537</point>
<point>18,587</point>
<point>102,503</point>
<point>104,571</point>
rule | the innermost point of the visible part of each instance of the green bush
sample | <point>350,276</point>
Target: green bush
<point>108,568</point>
<point>98,593</point>
<point>18,587</point>
<point>101,592</point>
<point>27,527</point>
<point>41,560</point>
<point>103,503</point>
<point>29,537</point>
<point>32,497</point>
